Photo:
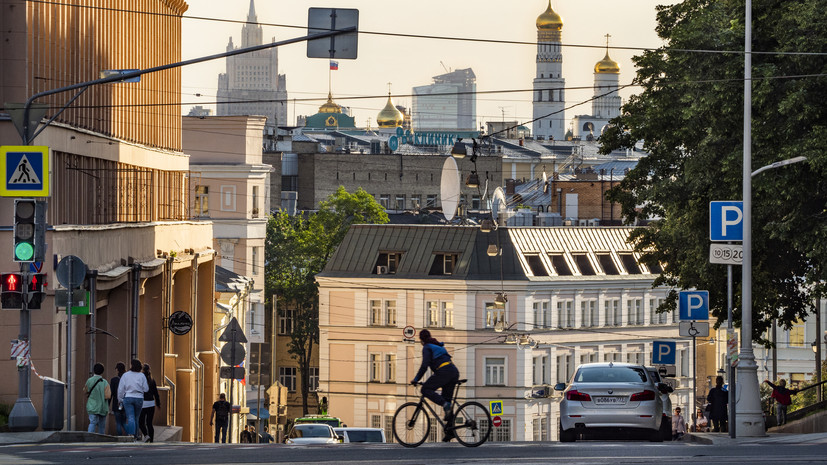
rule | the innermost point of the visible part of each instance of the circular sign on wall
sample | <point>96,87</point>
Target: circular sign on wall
<point>409,332</point>
<point>497,422</point>
<point>180,323</point>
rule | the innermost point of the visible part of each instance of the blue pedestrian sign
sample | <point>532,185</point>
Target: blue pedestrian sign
<point>663,352</point>
<point>25,171</point>
<point>495,407</point>
<point>693,305</point>
<point>726,221</point>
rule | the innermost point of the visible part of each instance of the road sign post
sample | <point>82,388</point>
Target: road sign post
<point>234,336</point>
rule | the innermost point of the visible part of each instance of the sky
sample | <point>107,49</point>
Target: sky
<point>407,62</point>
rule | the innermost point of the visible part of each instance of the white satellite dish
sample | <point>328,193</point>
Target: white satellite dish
<point>449,188</point>
<point>497,202</point>
<point>545,182</point>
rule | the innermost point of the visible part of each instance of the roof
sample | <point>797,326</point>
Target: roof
<point>227,281</point>
<point>528,253</point>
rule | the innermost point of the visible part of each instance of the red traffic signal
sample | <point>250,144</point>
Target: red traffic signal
<point>37,282</point>
<point>11,285</point>
<point>12,282</point>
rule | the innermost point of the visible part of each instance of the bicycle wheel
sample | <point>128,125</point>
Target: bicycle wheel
<point>472,424</point>
<point>411,424</point>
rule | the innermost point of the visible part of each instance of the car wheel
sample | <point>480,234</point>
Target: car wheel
<point>666,429</point>
<point>565,435</point>
<point>656,435</point>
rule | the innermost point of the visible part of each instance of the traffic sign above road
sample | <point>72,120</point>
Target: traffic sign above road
<point>726,221</point>
<point>693,305</point>
<point>233,332</point>
<point>663,352</point>
<point>25,171</point>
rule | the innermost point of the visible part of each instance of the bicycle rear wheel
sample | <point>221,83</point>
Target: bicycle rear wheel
<point>411,424</point>
<point>472,424</point>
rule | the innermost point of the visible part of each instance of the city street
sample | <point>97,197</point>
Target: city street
<point>800,449</point>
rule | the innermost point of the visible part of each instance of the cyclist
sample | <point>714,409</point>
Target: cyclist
<point>444,374</point>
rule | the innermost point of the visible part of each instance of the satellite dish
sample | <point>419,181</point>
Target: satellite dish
<point>449,188</point>
<point>545,183</point>
<point>497,202</point>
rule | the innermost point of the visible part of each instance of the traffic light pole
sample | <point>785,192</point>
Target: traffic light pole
<point>23,416</point>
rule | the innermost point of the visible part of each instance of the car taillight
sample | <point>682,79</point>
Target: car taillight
<point>645,395</point>
<point>574,395</point>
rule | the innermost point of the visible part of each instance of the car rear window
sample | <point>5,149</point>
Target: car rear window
<point>310,431</point>
<point>364,436</point>
<point>610,375</point>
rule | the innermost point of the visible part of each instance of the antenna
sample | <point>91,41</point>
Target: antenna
<point>447,70</point>
<point>449,188</point>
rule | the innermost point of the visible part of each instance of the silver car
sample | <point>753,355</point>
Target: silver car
<point>610,398</point>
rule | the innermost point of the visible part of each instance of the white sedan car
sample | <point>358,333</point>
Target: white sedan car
<point>312,433</point>
<point>610,398</point>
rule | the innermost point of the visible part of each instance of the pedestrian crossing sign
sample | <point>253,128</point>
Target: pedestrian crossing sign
<point>495,407</point>
<point>25,171</point>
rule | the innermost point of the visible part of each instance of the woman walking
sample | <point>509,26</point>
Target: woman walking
<point>151,400</point>
<point>131,391</point>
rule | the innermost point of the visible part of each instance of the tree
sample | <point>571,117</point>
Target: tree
<point>298,248</point>
<point>690,118</point>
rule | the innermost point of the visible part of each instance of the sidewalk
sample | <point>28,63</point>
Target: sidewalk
<point>162,434</point>
<point>720,439</point>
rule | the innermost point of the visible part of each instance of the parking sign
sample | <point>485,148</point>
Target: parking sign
<point>663,352</point>
<point>693,305</point>
<point>726,221</point>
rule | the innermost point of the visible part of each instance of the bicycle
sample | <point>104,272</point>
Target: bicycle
<point>471,422</point>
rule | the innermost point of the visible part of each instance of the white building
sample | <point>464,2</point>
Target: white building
<point>549,84</point>
<point>606,103</point>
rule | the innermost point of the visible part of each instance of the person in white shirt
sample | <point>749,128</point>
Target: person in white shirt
<point>131,391</point>
<point>678,425</point>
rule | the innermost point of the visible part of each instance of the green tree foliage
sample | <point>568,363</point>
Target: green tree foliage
<point>298,248</point>
<point>690,117</point>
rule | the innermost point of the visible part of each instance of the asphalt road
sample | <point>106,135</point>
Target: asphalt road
<point>587,452</point>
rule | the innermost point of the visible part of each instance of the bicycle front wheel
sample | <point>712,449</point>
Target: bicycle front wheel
<point>472,424</point>
<point>411,424</point>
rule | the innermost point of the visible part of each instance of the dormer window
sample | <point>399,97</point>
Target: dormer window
<point>387,263</point>
<point>444,264</point>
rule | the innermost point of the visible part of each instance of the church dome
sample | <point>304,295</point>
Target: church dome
<point>607,66</point>
<point>390,116</point>
<point>549,19</point>
<point>330,106</point>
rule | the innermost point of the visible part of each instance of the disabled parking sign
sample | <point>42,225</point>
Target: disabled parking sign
<point>24,170</point>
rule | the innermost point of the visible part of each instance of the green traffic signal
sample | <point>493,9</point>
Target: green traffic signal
<point>23,252</point>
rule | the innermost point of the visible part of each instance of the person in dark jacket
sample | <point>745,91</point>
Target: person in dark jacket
<point>117,408</point>
<point>783,399</point>
<point>444,374</point>
<point>718,399</point>
<point>151,401</point>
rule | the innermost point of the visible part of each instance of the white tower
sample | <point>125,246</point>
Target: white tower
<point>549,86</point>
<point>606,103</point>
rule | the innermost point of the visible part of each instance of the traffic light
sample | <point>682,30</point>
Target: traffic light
<point>29,230</point>
<point>37,282</point>
<point>11,291</point>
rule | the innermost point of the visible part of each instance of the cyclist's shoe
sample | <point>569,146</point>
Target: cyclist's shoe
<point>449,415</point>
<point>448,436</point>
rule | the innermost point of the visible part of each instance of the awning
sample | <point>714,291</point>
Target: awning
<point>265,413</point>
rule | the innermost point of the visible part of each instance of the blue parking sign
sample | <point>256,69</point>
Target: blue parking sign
<point>726,221</point>
<point>663,352</point>
<point>693,305</point>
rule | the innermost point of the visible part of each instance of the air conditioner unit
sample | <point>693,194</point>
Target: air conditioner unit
<point>582,222</point>
<point>381,269</point>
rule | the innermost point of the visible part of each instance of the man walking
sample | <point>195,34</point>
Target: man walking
<point>97,393</point>
<point>221,413</point>
<point>117,408</point>
<point>718,399</point>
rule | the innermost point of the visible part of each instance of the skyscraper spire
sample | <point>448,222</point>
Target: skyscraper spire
<point>251,16</point>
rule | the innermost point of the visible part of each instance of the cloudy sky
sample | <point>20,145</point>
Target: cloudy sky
<point>406,62</point>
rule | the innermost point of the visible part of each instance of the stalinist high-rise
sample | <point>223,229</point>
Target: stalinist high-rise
<point>251,84</point>
<point>549,86</point>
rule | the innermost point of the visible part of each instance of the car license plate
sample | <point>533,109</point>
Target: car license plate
<point>609,400</point>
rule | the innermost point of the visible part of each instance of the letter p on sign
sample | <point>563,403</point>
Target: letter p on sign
<point>693,305</point>
<point>726,221</point>
<point>663,352</point>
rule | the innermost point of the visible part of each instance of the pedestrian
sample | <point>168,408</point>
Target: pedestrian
<point>97,396</point>
<point>151,401</point>
<point>117,407</point>
<point>701,423</point>
<point>253,436</point>
<point>131,391</point>
<point>221,413</point>
<point>718,398</point>
<point>245,437</point>
<point>266,437</point>
<point>783,399</point>
<point>678,425</point>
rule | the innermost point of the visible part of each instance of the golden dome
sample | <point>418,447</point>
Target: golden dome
<point>549,19</point>
<point>390,116</point>
<point>329,106</point>
<point>607,66</point>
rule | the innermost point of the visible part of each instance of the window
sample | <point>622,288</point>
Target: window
<point>432,314</point>
<point>375,421</point>
<point>588,313</point>
<point>560,265</point>
<point>416,202</point>
<point>287,378</point>
<point>475,202</point>
<point>540,370</point>
<point>448,314</point>
<point>390,368</point>
<point>388,260</point>
<point>542,316</point>
<point>313,379</point>
<point>255,251</point>
<point>390,312</point>
<point>286,321</point>
<point>382,313</point>
<point>202,200</point>
<point>607,264</point>
<point>400,201</point>
<point>588,357</point>
<point>613,317</point>
<point>583,263</point>
<point>443,264</point>
<point>495,315</point>
<point>255,202</point>
<point>565,313</point>
<point>375,312</point>
<point>375,369</point>
<point>654,316</point>
<point>565,367</point>
<point>389,428</point>
<point>635,311</point>
<point>430,201</point>
<point>614,356</point>
<point>797,334</point>
<point>536,265</point>
<point>385,201</point>
<point>635,358</point>
<point>629,263</point>
<point>500,433</point>
<point>683,363</point>
<point>495,371</point>
<point>539,425</point>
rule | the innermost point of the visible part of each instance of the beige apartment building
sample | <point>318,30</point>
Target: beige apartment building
<point>119,200</point>
<point>574,295</point>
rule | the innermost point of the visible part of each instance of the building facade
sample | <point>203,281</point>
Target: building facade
<point>448,104</point>
<point>251,83</point>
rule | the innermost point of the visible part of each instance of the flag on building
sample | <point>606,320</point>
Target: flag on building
<point>334,65</point>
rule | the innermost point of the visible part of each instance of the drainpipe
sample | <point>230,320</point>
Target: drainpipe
<point>199,366</point>
<point>93,327</point>
<point>136,282</point>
